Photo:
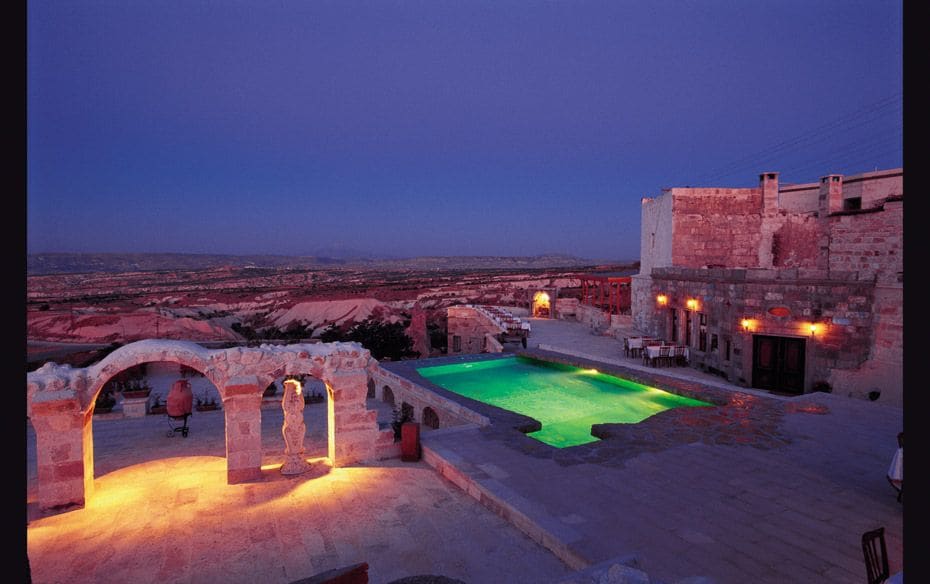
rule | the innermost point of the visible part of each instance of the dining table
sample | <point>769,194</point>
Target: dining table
<point>651,352</point>
<point>896,471</point>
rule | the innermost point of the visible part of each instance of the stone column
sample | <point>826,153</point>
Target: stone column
<point>64,449</point>
<point>294,429</point>
<point>242,404</point>
<point>353,429</point>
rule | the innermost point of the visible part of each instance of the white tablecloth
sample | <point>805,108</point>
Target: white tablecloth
<point>896,470</point>
<point>652,352</point>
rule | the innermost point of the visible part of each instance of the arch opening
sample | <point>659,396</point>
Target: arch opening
<point>541,305</point>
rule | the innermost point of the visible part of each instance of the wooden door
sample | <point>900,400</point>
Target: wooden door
<point>778,363</point>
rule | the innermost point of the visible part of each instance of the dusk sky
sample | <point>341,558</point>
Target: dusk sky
<point>435,128</point>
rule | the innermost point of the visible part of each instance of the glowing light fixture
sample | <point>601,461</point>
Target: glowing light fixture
<point>662,299</point>
<point>746,324</point>
<point>813,328</point>
<point>692,304</point>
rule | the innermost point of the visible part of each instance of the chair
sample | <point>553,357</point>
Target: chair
<point>664,355</point>
<point>626,347</point>
<point>876,555</point>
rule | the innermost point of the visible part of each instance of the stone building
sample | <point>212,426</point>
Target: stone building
<point>782,288</point>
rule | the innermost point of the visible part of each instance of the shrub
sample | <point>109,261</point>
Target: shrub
<point>400,417</point>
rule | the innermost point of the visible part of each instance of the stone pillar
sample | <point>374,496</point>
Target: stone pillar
<point>353,429</point>
<point>242,404</point>
<point>64,449</point>
<point>768,183</point>
<point>294,429</point>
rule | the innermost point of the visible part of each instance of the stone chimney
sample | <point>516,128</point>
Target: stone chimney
<point>831,194</point>
<point>768,182</point>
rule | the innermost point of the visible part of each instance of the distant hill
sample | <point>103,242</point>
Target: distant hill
<point>77,263</point>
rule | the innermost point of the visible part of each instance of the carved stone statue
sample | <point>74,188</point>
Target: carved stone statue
<point>293,429</point>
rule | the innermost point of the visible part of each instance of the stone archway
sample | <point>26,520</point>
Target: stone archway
<point>387,395</point>
<point>60,403</point>
<point>430,418</point>
<point>541,305</point>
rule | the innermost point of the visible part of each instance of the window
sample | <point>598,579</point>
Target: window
<point>852,204</point>
<point>713,342</point>
<point>702,331</point>
<point>674,324</point>
<point>726,348</point>
<point>456,343</point>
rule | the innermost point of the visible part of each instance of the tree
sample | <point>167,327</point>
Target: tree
<point>384,340</point>
<point>331,334</point>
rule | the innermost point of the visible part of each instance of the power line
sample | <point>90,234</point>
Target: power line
<point>853,149</point>
<point>862,116</point>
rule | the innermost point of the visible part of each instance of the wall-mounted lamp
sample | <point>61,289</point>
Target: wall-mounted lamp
<point>813,328</point>
<point>662,299</point>
<point>746,324</point>
<point>692,304</point>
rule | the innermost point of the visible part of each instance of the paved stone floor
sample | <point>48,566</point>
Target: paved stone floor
<point>778,491</point>
<point>162,512</point>
<point>766,489</point>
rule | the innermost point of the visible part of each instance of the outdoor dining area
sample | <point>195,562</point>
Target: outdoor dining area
<point>656,352</point>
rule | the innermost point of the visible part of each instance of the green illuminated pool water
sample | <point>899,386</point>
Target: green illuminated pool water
<point>566,400</point>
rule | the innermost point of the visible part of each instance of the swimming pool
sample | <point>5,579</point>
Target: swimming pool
<point>566,400</point>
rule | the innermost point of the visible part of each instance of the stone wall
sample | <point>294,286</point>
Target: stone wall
<point>870,242</point>
<point>593,317</point>
<point>656,233</point>
<point>874,187</point>
<point>566,307</point>
<point>840,303</point>
<point>800,198</point>
<point>796,243</point>
<point>716,227</point>
<point>404,390</point>
<point>471,327</point>
<point>642,303</point>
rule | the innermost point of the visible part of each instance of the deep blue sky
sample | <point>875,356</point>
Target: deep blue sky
<point>435,127</point>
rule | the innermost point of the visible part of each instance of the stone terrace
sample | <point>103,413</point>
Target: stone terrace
<point>765,489</point>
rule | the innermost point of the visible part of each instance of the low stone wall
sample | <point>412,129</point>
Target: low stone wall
<point>403,390</point>
<point>595,318</point>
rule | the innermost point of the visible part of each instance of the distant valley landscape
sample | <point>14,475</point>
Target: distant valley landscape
<point>112,299</point>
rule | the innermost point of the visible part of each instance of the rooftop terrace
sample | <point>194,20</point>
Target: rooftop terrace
<point>780,490</point>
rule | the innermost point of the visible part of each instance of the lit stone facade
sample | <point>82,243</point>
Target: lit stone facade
<point>60,403</point>
<point>471,331</point>
<point>765,264</point>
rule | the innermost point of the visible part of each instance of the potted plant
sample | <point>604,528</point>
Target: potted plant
<point>136,388</point>
<point>312,396</point>
<point>105,401</point>
<point>206,403</point>
<point>157,407</point>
